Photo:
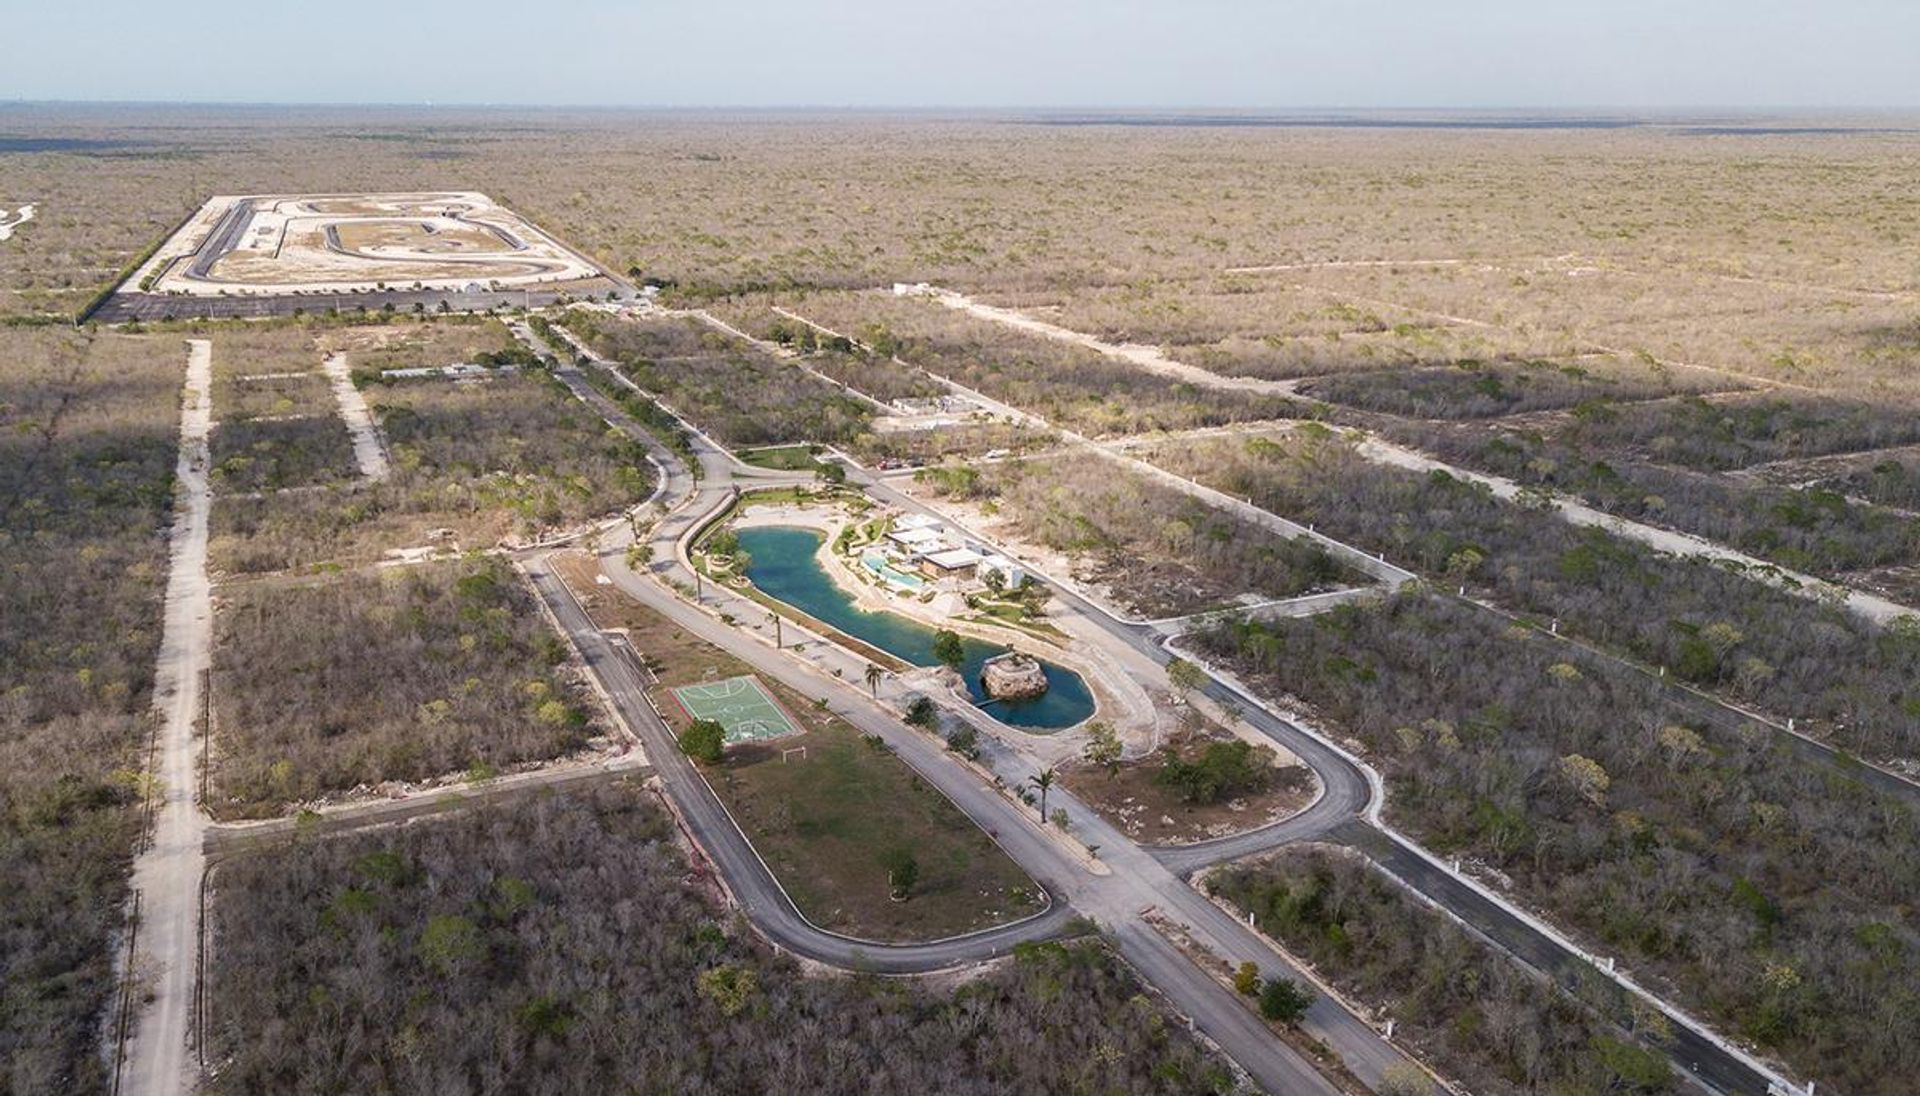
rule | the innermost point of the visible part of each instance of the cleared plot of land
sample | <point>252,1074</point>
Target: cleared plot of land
<point>443,341</point>
<point>1157,551</point>
<point>1771,896</point>
<point>524,946</point>
<point>1837,675</point>
<point>86,487</point>
<point>731,389</point>
<point>406,675</point>
<point>1468,1010</point>
<point>509,456</point>
<point>1070,386</point>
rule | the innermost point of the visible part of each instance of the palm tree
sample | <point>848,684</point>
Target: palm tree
<point>1043,782</point>
<point>874,674</point>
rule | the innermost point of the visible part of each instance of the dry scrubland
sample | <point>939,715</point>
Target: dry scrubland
<point>510,456</point>
<point>86,477</point>
<point>1160,552</point>
<point>737,392</point>
<point>1682,326</point>
<point>536,948</point>
<point>1069,386</point>
<point>1657,222</point>
<point>1461,1005</point>
<point>1709,626</point>
<point>408,674</point>
<point>1772,893</point>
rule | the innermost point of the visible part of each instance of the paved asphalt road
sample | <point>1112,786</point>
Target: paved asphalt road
<point>1133,881</point>
<point>1144,879</point>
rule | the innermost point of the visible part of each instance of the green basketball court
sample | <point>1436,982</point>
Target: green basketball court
<point>740,705</point>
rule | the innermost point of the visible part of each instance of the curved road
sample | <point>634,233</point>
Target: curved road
<point>1342,816</point>
<point>1129,883</point>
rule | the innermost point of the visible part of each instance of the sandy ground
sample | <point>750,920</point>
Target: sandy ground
<point>166,876</point>
<point>295,243</point>
<point>8,224</point>
<point>368,452</point>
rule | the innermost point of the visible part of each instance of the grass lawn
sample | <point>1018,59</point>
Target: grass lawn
<point>825,823</point>
<point>784,458</point>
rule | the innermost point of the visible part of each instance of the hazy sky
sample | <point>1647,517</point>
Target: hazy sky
<point>1242,53</point>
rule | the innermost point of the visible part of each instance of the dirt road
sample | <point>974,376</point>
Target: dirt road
<point>157,1058</point>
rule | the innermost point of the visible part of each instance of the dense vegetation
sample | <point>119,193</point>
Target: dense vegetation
<point>415,673</point>
<point>1709,625</point>
<point>1471,1012</point>
<point>88,428</point>
<point>552,946</point>
<point>512,456</point>
<point>1161,551</point>
<point>272,454</point>
<point>1816,530</point>
<point>1774,894</point>
<point>731,389</point>
<point>1718,435</point>
<point>1472,389</point>
<point>1893,482</point>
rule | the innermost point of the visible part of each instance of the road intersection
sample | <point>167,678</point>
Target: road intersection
<point>1138,881</point>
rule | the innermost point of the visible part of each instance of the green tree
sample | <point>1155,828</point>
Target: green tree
<point>705,741</point>
<point>948,649</point>
<point>922,713</point>
<point>448,942</point>
<point>1043,782</point>
<point>1222,769</point>
<point>874,674</point>
<point>1283,1001</point>
<point>964,741</point>
<point>1103,746</point>
<point>903,871</point>
<point>729,987</point>
<point>1186,677</point>
<point>1247,978</point>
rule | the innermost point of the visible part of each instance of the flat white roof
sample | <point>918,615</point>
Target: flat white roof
<point>917,521</point>
<point>955,558</point>
<point>914,536</point>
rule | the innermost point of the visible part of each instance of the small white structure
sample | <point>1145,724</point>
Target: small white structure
<point>915,540</point>
<point>1011,573</point>
<point>903,289</point>
<point>917,521</point>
